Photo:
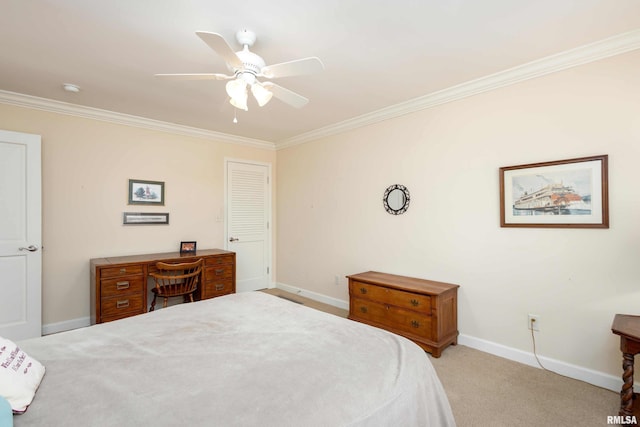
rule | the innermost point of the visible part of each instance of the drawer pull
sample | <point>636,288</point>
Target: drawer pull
<point>122,285</point>
<point>122,303</point>
<point>414,302</point>
<point>219,287</point>
<point>363,309</point>
<point>123,270</point>
<point>415,323</point>
<point>219,271</point>
<point>363,290</point>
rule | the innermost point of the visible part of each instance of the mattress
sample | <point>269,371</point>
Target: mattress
<point>246,359</point>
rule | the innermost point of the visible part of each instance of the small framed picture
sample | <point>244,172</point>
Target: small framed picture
<point>146,192</point>
<point>136,218</point>
<point>187,248</point>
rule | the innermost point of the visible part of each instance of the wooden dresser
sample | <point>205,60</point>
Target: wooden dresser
<point>424,311</point>
<point>119,284</point>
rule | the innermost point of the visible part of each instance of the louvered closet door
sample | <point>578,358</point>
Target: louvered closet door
<point>248,223</point>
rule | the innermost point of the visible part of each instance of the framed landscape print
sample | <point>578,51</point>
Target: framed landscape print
<point>561,194</point>
<point>146,192</point>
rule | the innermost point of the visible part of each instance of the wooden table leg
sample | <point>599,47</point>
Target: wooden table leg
<point>626,395</point>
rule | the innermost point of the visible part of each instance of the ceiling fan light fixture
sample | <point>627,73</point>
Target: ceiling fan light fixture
<point>235,88</point>
<point>240,102</point>
<point>261,94</point>
<point>237,91</point>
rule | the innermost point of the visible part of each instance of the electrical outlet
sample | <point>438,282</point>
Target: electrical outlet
<point>534,322</point>
<point>337,279</point>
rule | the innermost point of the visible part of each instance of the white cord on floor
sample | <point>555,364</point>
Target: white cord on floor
<point>533,338</point>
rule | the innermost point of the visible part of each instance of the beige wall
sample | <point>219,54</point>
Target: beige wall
<point>86,165</point>
<point>331,220</point>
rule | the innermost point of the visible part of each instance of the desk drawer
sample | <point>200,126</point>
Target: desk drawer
<point>391,296</point>
<point>105,319</point>
<point>217,288</point>
<point>121,286</point>
<point>119,306</point>
<point>217,260</point>
<point>221,271</point>
<point>126,270</point>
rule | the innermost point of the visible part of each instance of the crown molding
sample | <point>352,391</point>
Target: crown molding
<point>611,46</point>
<point>28,101</point>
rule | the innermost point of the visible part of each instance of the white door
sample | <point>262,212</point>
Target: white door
<point>20,236</point>
<point>247,219</point>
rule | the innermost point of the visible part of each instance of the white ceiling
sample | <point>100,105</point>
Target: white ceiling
<point>377,53</point>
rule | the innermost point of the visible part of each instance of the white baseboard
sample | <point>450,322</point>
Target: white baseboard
<point>596,378</point>
<point>314,296</point>
<point>67,325</point>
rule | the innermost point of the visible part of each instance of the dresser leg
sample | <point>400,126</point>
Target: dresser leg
<point>626,395</point>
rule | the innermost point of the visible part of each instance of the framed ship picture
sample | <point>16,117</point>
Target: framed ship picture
<point>561,194</point>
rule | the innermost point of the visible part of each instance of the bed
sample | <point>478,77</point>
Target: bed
<point>246,359</point>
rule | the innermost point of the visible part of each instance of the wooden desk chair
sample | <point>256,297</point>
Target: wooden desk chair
<point>174,280</point>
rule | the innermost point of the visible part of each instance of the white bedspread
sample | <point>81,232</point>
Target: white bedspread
<point>248,359</point>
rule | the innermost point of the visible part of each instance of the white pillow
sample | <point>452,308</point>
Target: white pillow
<point>20,375</point>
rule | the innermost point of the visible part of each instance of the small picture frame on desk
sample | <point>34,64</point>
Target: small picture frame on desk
<point>187,248</point>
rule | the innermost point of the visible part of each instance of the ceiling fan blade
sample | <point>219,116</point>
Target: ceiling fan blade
<point>203,76</point>
<point>293,68</point>
<point>222,48</point>
<point>285,95</point>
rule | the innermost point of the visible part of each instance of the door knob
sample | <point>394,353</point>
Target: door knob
<point>30,248</point>
<point>233,239</point>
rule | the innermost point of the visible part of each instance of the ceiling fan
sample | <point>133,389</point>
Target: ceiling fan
<point>246,67</point>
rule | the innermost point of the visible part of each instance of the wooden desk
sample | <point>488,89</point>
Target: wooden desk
<point>119,284</point>
<point>628,327</point>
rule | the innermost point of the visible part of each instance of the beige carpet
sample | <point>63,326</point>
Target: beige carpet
<point>486,390</point>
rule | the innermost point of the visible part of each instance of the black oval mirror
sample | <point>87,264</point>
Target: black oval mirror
<point>396,199</point>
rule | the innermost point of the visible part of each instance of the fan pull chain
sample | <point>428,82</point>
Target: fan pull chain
<point>235,115</point>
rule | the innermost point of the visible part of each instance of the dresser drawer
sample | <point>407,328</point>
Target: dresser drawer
<point>121,286</point>
<point>215,273</point>
<point>119,306</point>
<point>217,260</point>
<point>394,297</point>
<point>127,270</point>
<point>393,318</point>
